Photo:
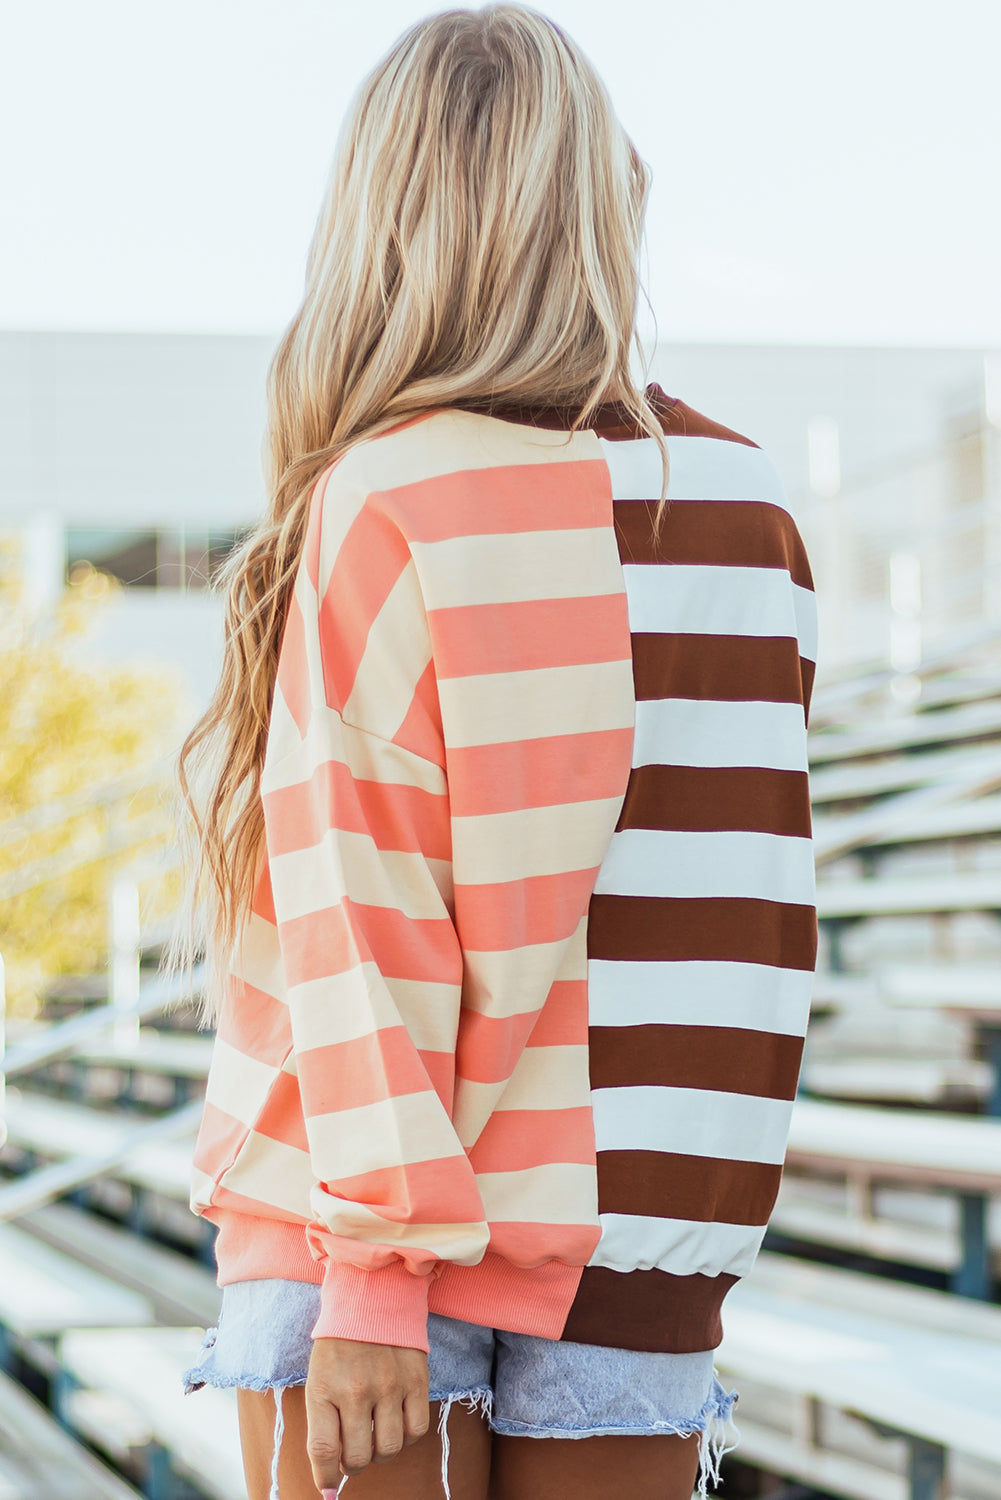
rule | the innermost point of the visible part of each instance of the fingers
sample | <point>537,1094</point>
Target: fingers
<point>416,1415</point>
<point>356,1435</point>
<point>387,1431</point>
<point>364,1404</point>
<point>323,1443</point>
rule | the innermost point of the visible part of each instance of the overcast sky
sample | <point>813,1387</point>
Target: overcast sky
<point>822,172</point>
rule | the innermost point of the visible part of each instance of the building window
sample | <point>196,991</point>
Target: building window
<point>168,558</point>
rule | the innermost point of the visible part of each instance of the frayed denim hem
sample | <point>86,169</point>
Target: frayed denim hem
<point>714,1422</point>
<point>478,1398</point>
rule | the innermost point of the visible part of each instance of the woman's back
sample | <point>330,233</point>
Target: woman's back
<point>524,993</point>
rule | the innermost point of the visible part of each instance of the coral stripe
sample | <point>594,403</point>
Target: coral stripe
<point>333,941</point>
<point>371,559</point>
<point>396,816</point>
<point>382,1065</point>
<point>428,1192</point>
<point>489,1046</point>
<point>515,1139</point>
<point>254,1023</point>
<point>512,914</point>
<point>564,495</point>
<point>220,1137</point>
<point>420,729</point>
<point>546,772</point>
<point>533,633</point>
<point>281,1118</point>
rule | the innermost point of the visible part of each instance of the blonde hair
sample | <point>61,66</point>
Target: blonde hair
<point>478,244</point>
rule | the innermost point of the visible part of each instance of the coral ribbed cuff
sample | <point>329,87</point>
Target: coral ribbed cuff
<point>387,1306</point>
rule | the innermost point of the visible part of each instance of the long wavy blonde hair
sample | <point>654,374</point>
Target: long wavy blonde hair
<point>478,244</point>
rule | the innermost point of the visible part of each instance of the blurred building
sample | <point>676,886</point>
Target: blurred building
<point>140,453</point>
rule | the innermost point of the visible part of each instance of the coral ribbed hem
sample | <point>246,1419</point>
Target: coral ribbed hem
<point>497,1294</point>
<point>390,1306</point>
<point>387,1306</point>
<point>250,1248</point>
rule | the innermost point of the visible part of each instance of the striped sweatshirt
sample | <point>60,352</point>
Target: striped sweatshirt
<point>515,1024</point>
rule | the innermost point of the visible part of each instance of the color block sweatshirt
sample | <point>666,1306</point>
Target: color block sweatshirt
<point>515,1025</point>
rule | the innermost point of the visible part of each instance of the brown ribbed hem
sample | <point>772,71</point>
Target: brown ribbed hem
<point>652,1311</point>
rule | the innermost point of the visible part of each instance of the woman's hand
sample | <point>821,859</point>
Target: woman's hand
<point>364,1402</point>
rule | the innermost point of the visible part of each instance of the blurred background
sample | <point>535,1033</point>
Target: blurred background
<point>823,268</point>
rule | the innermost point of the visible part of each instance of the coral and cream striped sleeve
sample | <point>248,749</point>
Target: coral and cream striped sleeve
<point>448,751</point>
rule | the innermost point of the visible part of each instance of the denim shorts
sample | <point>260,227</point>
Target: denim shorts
<point>525,1386</point>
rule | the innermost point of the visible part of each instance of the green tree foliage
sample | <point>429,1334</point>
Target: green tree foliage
<point>72,731</point>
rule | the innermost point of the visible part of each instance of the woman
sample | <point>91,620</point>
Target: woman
<point>504,823</point>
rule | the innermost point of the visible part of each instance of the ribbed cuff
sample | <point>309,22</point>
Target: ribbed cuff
<point>388,1306</point>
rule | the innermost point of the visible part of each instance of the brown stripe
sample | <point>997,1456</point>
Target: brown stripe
<point>668,1185</point>
<point>714,799</point>
<point>736,929</point>
<point>713,533</point>
<point>649,1310</point>
<point>729,1059</point>
<point>724,668</point>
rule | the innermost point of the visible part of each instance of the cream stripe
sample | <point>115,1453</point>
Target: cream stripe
<point>329,740</point>
<point>531,841</point>
<point>463,1243</point>
<point>508,706</point>
<point>392,1132</point>
<point>558,1193</point>
<point>258,958</point>
<point>512,981</point>
<point>344,1007</point>
<point>692,993</point>
<point>514,567</point>
<point>685,1247</point>
<point>450,442</point>
<point>543,1078</point>
<point>397,651</point>
<point>349,864</point>
<point>273,1173</point>
<point>696,1122</point>
<point>653,862</point>
<point>237,1083</point>
<point>704,732</point>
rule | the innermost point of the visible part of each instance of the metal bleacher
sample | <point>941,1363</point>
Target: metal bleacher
<point>866,1341</point>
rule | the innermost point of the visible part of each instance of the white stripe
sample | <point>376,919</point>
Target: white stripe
<point>652,862</point>
<point>701,468</point>
<point>698,993</point>
<point>683,1246</point>
<point>705,732</point>
<point>696,1122</point>
<point>705,600</point>
<point>805,605</point>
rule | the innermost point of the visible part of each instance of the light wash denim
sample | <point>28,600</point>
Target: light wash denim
<point>525,1386</point>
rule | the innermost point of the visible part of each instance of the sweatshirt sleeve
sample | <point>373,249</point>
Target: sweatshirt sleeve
<point>358,841</point>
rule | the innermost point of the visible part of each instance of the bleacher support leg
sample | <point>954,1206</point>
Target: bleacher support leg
<point>991,1037</point>
<point>925,1470</point>
<point>972,1277</point>
<point>161,1481</point>
<point>62,1385</point>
